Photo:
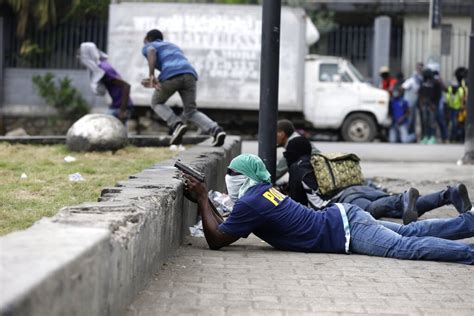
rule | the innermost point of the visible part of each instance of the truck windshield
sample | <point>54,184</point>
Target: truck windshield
<point>356,72</point>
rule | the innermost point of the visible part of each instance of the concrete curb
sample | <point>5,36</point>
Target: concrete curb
<point>136,140</point>
<point>93,258</point>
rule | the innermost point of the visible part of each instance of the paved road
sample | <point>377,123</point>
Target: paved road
<point>384,151</point>
<point>251,278</point>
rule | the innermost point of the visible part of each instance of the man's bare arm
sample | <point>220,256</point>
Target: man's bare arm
<point>211,219</point>
<point>125,95</point>
<point>151,58</point>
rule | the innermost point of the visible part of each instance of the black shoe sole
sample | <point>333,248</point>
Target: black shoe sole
<point>178,138</point>
<point>465,202</point>
<point>410,214</point>
<point>219,141</point>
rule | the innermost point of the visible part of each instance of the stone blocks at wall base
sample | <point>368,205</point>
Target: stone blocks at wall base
<point>96,132</point>
<point>93,258</point>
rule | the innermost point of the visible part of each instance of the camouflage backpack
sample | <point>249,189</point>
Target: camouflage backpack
<point>336,171</point>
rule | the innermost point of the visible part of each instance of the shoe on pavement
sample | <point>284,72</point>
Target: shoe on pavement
<point>410,213</point>
<point>423,140</point>
<point>178,132</point>
<point>219,137</point>
<point>431,140</point>
<point>459,198</point>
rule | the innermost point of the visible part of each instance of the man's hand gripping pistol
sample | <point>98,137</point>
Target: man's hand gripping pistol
<point>191,171</point>
<point>199,176</point>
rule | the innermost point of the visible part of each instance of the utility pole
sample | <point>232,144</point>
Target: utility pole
<point>469,123</point>
<point>269,78</point>
<point>434,32</point>
<point>2,125</point>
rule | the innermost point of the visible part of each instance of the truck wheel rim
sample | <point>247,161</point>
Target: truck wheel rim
<point>359,131</point>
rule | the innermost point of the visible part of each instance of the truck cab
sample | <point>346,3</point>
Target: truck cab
<point>336,97</point>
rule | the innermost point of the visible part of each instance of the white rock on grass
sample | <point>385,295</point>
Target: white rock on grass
<point>96,132</point>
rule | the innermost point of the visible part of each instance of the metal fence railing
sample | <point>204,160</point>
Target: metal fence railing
<point>355,43</point>
<point>52,47</point>
<point>415,50</point>
<point>351,42</point>
<point>55,47</point>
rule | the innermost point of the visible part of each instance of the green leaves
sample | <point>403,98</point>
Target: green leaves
<point>62,96</point>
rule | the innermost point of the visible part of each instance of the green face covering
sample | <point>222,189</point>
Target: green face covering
<point>251,166</point>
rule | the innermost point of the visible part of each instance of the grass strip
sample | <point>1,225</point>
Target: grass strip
<point>47,187</point>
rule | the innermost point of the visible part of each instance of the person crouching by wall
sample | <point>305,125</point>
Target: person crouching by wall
<point>400,114</point>
<point>103,77</point>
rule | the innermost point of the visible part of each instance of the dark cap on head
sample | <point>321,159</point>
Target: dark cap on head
<point>154,35</point>
<point>297,148</point>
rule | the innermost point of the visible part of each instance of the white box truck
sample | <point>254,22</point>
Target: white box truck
<point>223,43</point>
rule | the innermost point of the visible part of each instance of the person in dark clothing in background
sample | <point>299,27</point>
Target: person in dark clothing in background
<point>303,188</point>
<point>429,97</point>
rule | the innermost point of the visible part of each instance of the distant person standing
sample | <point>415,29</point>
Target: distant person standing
<point>410,93</point>
<point>104,77</point>
<point>441,114</point>
<point>176,75</point>
<point>428,95</point>
<point>388,82</point>
<point>456,99</point>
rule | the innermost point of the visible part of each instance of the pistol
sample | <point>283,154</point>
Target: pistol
<point>191,171</point>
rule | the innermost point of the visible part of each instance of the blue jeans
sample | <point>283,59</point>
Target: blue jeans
<point>392,205</point>
<point>430,239</point>
<point>456,129</point>
<point>399,133</point>
<point>428,118</point>
<point>441,120</point>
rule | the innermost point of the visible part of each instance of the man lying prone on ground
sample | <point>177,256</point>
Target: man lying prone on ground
<point>338,228</point>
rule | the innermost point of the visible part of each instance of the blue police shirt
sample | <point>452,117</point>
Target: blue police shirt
<point>284,223</point>
<point>170,60</point>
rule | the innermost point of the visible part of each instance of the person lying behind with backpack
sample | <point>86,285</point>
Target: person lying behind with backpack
<point>339,228</point>
<point>303,188</point>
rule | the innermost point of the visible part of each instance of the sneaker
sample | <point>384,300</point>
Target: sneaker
<point>431,140</point>
<point>459,198</point>
<point>423,140</point>
<point>178,133</point>
<point>219,137</point>
<point>410,213</point>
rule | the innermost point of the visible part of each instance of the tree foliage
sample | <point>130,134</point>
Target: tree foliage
<point>40,12</point>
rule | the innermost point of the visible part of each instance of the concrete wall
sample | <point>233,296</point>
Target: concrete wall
<point>20,97</point>
<point>93,258</point>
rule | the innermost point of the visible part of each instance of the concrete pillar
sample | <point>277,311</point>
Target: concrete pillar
<point>381,55</point>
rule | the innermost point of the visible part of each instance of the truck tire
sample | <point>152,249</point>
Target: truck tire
<point>359,127</point>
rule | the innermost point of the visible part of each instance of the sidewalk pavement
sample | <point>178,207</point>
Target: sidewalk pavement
<point>250,277</point>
